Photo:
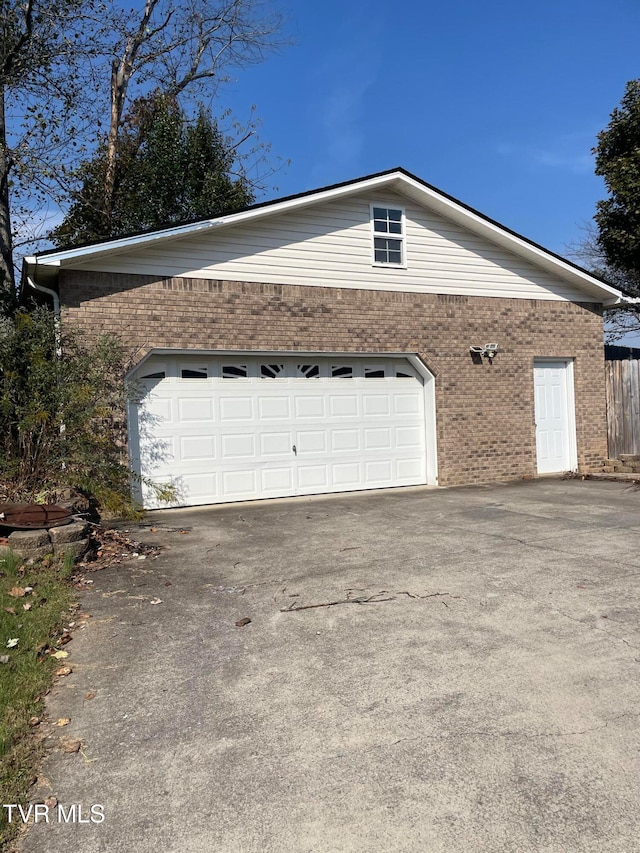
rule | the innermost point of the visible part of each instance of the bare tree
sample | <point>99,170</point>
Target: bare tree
<point>623,319</point>
<point>180,50</point>
<point>44,68</point>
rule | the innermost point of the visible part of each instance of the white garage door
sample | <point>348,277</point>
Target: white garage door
<point>225,429</point>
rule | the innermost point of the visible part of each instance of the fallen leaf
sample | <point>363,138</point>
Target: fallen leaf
<point>17,592</point>
<point>4,658</point>
<point>63,670</point>
<point>153,529</point>
<point>28,589</point>
<point>63,721</point>
<point>10,610</point>
<point>51,802</point>
<point>183,532</point>
<point>156,601</point>
<point>167,583</point>
<point>70,746</point>
<point>26,606</point>
<point>34,721</point>
<point>242,622</point>
<point>90,695</point>
<point>60,655</point>
<point>13,642</point>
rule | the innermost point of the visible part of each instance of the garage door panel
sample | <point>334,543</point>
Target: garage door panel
<point>236,408</point>
<point>307,406</point>
<point>277,481</point>
<point>343,405</point>
<point>311,441</point>
<point>240,482</point>
<point>379,471</point>
<point>345,440</point>
<point>407,404</point>
<point>411,469</point>
<point>233,438</point>
<point>276,443</point>
<point>196,448</point>
<point>195,409</point>
<point>313,476</point>
<point>156,411</point>
<point>346,474</point>
<point>376,439</point>
<point>274,408</point>
<point>408,437</point>
<point>238,445</point>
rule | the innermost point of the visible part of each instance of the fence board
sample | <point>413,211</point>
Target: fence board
<point>622,378</point>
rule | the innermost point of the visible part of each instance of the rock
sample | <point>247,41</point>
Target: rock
<point>30,544</point>
<point>73,532</point>
<point>630,458</point>
<point>77,549</point>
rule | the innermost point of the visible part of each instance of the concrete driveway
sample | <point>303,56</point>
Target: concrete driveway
<point>486,699</point>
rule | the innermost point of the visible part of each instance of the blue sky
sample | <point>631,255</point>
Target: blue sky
<point>496,103</point>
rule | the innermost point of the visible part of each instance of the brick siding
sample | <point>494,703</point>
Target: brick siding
<point>485,413</point>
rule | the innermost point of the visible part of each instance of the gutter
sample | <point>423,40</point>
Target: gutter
<point>56,310</point>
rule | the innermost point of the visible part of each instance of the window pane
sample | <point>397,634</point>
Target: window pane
<point>395,215</point>
<point>234,371</point>
<point>400,374</point>
<point>374,373</point>
<point>158,375</point>
<point>395,258</point>
<point>193,373</point>
<point>270,371</point>
<point>380,213</point>
<point>395,228</point>
<point>309,371</point>
<point>380,242</point>
<point>394,245</point>
<point>380,256</point>
<point>342,372</point>
<point>380,227</point>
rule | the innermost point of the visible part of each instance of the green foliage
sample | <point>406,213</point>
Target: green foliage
<point>61,419</point>
<point>168,170</point>
<point>618,216</point>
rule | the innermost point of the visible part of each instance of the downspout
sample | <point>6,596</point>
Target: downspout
<point>56,309</point>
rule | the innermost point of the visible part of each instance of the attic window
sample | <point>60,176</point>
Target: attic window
<point>387,225</point>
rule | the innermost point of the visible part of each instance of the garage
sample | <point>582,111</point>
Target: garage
<point>223,428</point>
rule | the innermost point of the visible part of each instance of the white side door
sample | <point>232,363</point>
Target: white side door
<point>555,420</point>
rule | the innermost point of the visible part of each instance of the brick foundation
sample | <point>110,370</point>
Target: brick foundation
<point>485,413</point>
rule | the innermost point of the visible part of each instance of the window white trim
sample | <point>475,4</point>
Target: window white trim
<point>402,237</point>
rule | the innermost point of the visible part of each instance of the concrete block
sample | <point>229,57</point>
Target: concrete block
<point>30,544</point>
<point>624,469</point>
<point>68,533</point>
<point>630,459</point>
<point>25,539</point>
<point>76,549</point>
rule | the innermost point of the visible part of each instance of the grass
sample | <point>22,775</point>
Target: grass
<point>29,672</point>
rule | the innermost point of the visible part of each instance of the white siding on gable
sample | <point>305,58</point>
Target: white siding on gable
<point>329,245</point>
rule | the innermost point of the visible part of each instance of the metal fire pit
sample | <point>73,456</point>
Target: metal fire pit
<point>33,516</point>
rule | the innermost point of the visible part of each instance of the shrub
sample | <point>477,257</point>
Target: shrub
<point>62,419</point>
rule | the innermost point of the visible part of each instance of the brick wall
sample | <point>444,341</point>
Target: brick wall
<point>485,413</point>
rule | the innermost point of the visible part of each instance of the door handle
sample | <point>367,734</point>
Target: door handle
<point>295,451</point>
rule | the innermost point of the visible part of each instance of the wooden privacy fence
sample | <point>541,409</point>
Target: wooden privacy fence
<point>623,406</point>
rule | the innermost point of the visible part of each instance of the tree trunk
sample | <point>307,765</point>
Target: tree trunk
<point>7,277</point>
